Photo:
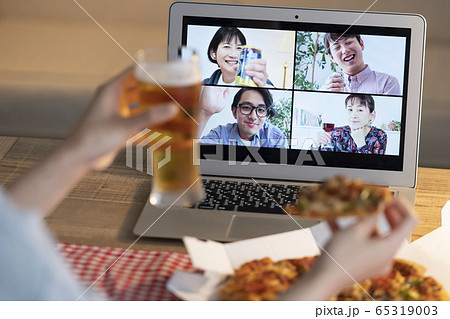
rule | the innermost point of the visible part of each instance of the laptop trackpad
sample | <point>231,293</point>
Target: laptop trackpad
<point>253,226</point>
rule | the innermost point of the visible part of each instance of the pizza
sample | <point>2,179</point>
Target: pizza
<point>405,282</point>
<point>340,196</point>
<point>265,279</point>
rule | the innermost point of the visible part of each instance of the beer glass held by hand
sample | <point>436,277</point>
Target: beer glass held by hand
<point>170,147</point>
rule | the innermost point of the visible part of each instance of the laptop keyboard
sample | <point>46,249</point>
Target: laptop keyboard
<point>247,196</point>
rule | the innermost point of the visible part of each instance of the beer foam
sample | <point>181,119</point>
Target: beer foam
<point>176,73</point>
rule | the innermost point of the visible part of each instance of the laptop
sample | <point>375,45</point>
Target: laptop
<point>299,68</point>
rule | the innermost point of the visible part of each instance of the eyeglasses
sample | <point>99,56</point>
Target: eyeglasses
<point>247,108</point>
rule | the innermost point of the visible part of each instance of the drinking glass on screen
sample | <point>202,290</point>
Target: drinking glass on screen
<point>328,127</point>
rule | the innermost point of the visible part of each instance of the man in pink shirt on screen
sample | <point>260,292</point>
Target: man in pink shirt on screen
<point>347,51</point>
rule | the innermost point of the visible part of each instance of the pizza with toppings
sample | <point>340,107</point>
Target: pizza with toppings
<point>265,279</point>
<point>405,282</point>
<point>340,196</point>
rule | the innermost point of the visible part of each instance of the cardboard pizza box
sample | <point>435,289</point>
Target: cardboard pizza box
<point>218,260</point>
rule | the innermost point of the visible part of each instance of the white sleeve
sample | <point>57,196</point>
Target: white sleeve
<point>30,266</point>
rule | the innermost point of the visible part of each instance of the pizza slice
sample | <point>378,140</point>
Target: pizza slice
<point>340,196</point>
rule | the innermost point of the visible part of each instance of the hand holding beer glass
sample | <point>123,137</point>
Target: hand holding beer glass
<point>175,177</point>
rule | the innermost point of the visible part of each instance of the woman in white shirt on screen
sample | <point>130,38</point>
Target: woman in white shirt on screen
<point>224,50</point>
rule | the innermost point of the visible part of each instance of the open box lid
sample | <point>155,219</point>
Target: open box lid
<point>218,260</point>
<point>224,258</point>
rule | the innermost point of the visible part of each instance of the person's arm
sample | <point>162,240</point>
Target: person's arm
<point>30,267</point>
<point>392,86</point>
<point>212,101</point>
<point>213,137</point>
<point>382,140</point>
<point>283,142</point>
<point>354,255</point>
<point>275,138</point>
<point>93,145</point>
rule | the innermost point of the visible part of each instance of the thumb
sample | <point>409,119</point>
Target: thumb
<point>226,93</point>
<point>153,116</point>
<point>403,230</point>
<point>368,224</point>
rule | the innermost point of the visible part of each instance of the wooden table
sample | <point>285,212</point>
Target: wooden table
<point>103,208</point>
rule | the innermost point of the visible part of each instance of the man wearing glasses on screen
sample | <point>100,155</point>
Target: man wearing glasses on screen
<point>251,108</point>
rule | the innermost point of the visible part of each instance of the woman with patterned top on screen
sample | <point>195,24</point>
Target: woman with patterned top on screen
<point>359,136</point>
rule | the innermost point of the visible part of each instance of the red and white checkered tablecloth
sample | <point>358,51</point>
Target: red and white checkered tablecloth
<point>137,275</point>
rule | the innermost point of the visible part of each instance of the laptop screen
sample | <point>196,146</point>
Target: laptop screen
<point>274,91</point>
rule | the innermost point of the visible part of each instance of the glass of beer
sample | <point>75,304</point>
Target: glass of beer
<point>170,152</point>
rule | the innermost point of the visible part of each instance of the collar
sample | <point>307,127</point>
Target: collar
<point>235,133</point>
<point>349,129</point>
<point>361,76</point>
<point>256,136</point>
